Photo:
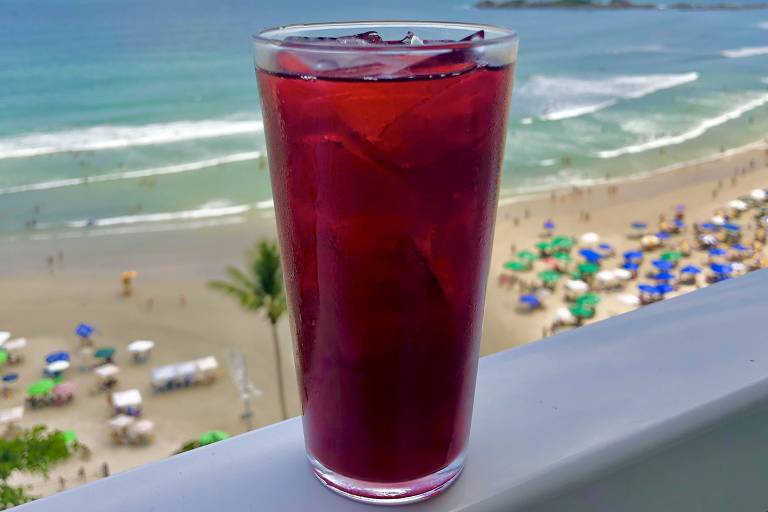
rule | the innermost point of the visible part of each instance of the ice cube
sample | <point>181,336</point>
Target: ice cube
<point>410,39</point>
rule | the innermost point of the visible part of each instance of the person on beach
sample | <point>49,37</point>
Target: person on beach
<point>50,265</point>
<point>127,279</point>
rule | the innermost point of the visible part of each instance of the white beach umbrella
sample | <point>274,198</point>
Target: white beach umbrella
<point>650,241</point>
<point>576,285</point>
<point>564,316</point>
<point>739,269</point>
<point>628,300</point>
<point>622,274</point>
<point>589,239</point>
<point>4,336</point>
<point>718,220</point>
<point>140,346</point>
<point>12,415</point>
<point>121,421</point>
<point>127,398</point>
<point>758,194</point>
<point>606,276</point>
<point>106,370</point>
<point>738,204</point>
<point>15,344</point>
<point>57,366</point>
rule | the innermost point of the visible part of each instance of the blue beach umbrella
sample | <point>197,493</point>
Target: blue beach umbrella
<point>647,288</point>
<point>690,269</point>
<point>664,288</point>
<point>57,356</point>
<point>10,377</point>
<point>708,226</point>
<point>530,300</point>
<point>663,276</point>
<point>84,330</point>
<point>679,223</point>
<point>633,255</point>
<point>717,251</point>
<point>590,255</point>
<point>639,225</point>
<point>661,235</point>
<point>719,268</point>
<point>630,265</point>
<point>740,248</point>
<point>732,227</point>
<point>663,264</point>
<point>549,225</point>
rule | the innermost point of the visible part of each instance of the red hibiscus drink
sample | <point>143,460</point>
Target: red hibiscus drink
<point>385,144</point>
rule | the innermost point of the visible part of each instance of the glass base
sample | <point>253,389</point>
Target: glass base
<point>395,493</point>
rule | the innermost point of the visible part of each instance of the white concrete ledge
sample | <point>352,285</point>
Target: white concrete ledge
<point>663,409</point>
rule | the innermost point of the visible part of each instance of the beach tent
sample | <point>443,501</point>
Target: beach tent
<point>758,194</point>
<point>127,402</point>
<point>589,239</point>
<point>4,336</point>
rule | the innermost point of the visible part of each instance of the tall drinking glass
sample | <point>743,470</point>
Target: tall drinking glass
<point>385,143</point>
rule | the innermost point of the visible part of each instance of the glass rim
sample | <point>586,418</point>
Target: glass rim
<point>267,36</point>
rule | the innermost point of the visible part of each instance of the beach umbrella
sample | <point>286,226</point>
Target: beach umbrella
<point>663,276</point>
<point>10,377</point>
<point>4,336</point>
<point>589,239</point>
<point>57,366</point>
<point>661,235</point>
<point>721,268</point>
<point>679,223</point>
<point>563,256</point>
<point>41,387</point>
<point>647,288</point>
<point>564,316</point>
<point>105,353</point>
<point>576,286</point>
<point>59,355</point>
<point>84,330</point>
<point>639,226</point>
<point>690,269</point>
<point>549,276</point>
<point>758,194</point>
<point>517,266</point>
<point>543,247</point>
<point>3,357</point>
<point>530,300</point>
<point>69,436</point>
<point>633,255</point>
<point>588,268</point>
<point>708,226</point>
<point>582,311</point>
<point>213,436</point>
<point>630,265</point>
<point>664,288</point>
<point>606,250</point>
<point>590,255</point>
<point>549,225</point>
<point>589,299</point>
<point>731,227</point>
<point>527,256</point>
<point>140,346</point>
<point>663,264</point>
<point>717,251</point>
<point>740,248</point>
<point>562,242</point>
<point>628,300</point>
<point>738,204</point>
<point>718,220</point>
<point>672,256</point>
<point>622,274</point>
<point>650,241</point>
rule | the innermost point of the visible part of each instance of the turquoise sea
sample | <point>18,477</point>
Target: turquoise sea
<point>128,115</point>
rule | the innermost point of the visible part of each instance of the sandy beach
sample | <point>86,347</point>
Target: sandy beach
<point>173,306</point>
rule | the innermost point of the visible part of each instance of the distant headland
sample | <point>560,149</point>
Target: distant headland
<point>615,5</point>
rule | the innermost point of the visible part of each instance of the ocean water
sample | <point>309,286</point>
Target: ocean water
<point>129,115</point>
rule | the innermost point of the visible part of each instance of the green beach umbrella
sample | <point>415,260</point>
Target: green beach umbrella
<point>544,246</point>
<point>564,257</point>
<point>562,242</point>
<point>527,256</point>
<point>516,265</point>
<point>588,268</point>
<point>41,387</point>
<point>105,353</point>
<point>672,256</point>
<point>549,276</point>
<point>3,357</point>
<point>580,311</point>
<point>588,299</point>
<point>213,436</point>
<point>69,436</point>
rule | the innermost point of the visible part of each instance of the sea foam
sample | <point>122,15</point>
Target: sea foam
<point>747,51</point>
<point>127,175</point>
<point>693,133</point>
<point>568,97</point>
<point>102,137</point>
<point>204,212</point>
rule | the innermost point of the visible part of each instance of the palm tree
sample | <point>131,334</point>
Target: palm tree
<point>261,288</point>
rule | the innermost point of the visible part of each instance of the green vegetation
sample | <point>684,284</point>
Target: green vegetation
<point>35,451</point>
<point>260,288</point>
